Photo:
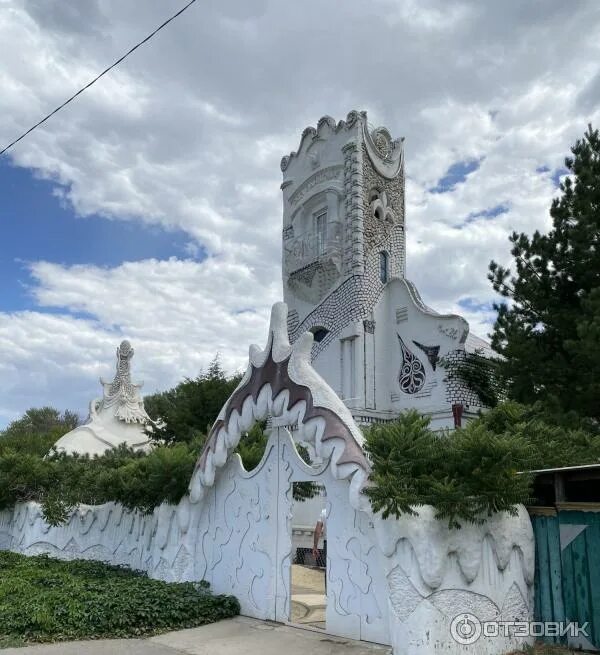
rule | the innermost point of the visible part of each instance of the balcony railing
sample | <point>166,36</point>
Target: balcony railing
<point>304,249</point>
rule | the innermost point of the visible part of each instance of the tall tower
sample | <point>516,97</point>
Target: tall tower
<point>343,224</point>
<point>344,254</point>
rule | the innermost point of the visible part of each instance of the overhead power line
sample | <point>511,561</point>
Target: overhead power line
<point>106,70</point>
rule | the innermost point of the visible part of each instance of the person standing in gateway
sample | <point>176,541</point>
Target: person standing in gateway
<point>321,531</point>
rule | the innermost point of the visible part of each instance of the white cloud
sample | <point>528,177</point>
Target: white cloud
<point>178,315</point>
<point>188,134</point>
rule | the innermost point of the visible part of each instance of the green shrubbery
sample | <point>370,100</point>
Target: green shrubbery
<point>60,482</point>
<point>464,474</point>
<point>477,470</point>
<point>43,599</point>
<point>190,408</point>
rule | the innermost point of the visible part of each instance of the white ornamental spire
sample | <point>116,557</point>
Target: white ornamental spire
<point>119,417</point>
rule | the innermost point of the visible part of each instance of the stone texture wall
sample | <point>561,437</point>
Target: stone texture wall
<point>457,390</point>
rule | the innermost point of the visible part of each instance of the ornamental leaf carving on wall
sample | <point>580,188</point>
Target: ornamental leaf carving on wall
<point>412,373</point>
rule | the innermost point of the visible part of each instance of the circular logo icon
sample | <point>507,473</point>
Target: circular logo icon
<point>465,629</point>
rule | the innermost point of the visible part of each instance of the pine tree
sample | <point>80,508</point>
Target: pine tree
<point>189,409</point>
<point>549,331</point>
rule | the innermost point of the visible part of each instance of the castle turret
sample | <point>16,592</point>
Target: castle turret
<point>343,223</point>
<point>344,256</point>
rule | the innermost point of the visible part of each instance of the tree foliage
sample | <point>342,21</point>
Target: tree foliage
<point>37,430</point>
<point>60,482</point>
<point>189,409</point>
<point>475,471</point>
<point>549,331</point>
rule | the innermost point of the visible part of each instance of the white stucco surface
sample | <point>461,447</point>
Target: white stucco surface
<point>117,418</point>
<point>398,582</point>
<point>380,347</point>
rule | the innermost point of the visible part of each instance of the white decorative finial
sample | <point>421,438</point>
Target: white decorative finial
<point>122,393</point>
<point>119,417</point>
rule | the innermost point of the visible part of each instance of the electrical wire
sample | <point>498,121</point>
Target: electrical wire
<point>104,72</point>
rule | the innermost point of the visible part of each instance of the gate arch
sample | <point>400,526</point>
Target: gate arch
<point>281,382</point>
<point>399,582</point>
<point>245,545</point>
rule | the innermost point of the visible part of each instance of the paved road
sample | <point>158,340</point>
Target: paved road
<point>239,636</point>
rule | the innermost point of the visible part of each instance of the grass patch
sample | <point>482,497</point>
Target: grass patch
<point>545,649</point>
<point>45,599</point>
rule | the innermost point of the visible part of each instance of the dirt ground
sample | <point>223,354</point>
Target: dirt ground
<point>307,580</point>
<point>308,596</point>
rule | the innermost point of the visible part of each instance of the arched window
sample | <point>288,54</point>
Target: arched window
<point>383,267</point>
<point>319,333</point>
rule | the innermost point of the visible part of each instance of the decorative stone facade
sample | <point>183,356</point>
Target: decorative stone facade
<point>457,392</point>
<point>400,582</point>
<point>344,193</point>
<point>117,418</point>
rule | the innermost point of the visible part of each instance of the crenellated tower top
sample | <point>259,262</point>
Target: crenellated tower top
<point>343,222</point>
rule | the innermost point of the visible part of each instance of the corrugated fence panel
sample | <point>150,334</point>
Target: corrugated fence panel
<point>580,555</point>
<point>593,542</point>
<point>549,604</point>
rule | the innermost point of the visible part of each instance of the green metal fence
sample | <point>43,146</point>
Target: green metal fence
<point>567,585</point>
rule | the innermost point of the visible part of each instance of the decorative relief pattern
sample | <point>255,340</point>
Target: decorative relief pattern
<point>122,392</point>
<point>324,175</point>
<point>412,374</point>
<point>153,543</point>
<point>401,314</point>
<point>450,332</point>
<point>310,133</point>
<point>354,210</point>
<point>432,353</point>
<point>383,142</point>
<point>384,220</point>
<point>369,327</point>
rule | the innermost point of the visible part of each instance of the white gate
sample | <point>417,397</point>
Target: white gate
<point>244,543</point>
<point>354,568</point>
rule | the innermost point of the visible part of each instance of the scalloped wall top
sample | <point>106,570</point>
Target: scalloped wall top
<point>387,152</point>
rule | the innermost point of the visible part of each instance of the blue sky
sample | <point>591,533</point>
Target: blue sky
<point>166,227</point>
<point>457,173</point>
<point>38,225</point>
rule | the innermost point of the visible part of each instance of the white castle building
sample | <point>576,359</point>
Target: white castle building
<point>344,259</point>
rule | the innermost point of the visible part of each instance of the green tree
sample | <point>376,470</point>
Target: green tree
<point>37,430</point>
<point>41,420</point>
<point>190,409</point>
<point>549,331</point>
<point>464,475</point>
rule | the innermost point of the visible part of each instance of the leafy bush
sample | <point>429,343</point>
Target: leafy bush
<point>60,482</point>
<point>44,599</point>
<point>189,409</point>
<point>474,471</point>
